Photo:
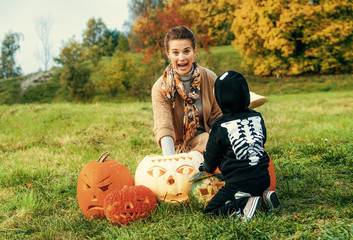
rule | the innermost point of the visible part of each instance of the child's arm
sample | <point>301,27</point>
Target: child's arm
<point>212,154</point>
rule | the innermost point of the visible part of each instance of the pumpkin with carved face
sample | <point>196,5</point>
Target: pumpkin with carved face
<point>122,207</point>
<point>168,176</point>
<point>96,180</point>
<point>204,188</point>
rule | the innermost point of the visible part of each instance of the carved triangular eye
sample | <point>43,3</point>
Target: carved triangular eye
<point>129,205</point>
<point>143,199</point>
<point>85,186</point>
<point>104,188</point>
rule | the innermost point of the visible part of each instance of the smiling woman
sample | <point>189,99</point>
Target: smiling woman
<point>184,106</point>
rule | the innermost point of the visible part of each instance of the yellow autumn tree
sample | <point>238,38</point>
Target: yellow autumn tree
<point>211,20</point>
<point>295,37</point>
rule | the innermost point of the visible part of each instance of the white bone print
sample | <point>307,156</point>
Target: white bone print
<point>246,136</point>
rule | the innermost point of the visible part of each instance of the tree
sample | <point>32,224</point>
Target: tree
<point>9,47</point>
<point>211,20</point>
<point>123,44</point>
<point>119,74</point>
<point>150,28</point>
<point>75,76</point>
<point>138,8</point>
<point>43,27</point>
<point>295,37</point>
<point>94,34</point>
<point>94,40</point>
<point>111,41</point>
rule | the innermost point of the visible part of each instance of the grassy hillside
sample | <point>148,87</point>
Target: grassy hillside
<point>222,58</point>
<point>43,147</point>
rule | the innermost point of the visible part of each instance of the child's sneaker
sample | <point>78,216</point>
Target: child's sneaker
<point>251,207</point>
<point>270,200</point>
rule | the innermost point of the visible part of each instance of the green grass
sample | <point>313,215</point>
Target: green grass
<point>44,147</point>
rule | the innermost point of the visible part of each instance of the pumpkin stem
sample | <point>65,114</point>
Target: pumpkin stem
<point>103,157</point>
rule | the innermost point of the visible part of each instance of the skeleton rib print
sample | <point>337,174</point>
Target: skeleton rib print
<point>245,136</point>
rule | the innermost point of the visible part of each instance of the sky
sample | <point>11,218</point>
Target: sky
<point>69,19</point>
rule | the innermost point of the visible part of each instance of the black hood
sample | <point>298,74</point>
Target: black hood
<point>232,92</point>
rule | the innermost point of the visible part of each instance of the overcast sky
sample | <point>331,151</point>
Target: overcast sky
<point>69,18</point>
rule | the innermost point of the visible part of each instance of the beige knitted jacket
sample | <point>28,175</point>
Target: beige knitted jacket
<point>169,122</point>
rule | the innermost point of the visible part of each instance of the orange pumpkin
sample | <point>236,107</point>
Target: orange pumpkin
<point>122,207</point>
<point>168,176</point>
<point>96,180</point>
<point>271,170</point>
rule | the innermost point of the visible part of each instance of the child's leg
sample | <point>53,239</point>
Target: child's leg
<point>247,199</point>
<point>222,202</point>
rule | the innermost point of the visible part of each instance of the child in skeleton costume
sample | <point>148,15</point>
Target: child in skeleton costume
<point>236,146</point>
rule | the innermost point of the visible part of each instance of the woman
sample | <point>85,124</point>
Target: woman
<point>184,106</point>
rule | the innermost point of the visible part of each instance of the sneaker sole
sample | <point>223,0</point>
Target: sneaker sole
<point>272,201</point>
<point>255,206</point>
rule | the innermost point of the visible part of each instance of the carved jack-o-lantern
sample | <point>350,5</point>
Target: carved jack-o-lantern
<point>168,176</point>
<point>129,204</point>
<point>96,180</point>
<point>204,188</point>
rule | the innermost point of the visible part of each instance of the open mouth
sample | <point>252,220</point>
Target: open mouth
<point>183,67</point>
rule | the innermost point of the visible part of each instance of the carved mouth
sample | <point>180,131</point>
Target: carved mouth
<point>131,216</point>
<point>94,207</point>
<point>178,197</point>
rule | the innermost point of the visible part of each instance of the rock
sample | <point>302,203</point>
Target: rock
<point>35,79</point>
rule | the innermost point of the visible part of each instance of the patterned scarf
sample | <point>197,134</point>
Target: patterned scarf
<point>172,84</point>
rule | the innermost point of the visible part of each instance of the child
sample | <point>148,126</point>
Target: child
<point>236,146</point>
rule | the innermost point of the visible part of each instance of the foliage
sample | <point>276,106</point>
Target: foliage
<point>123,44</point>
<point>119,74</point>
<point>137,8</point>
<point>44,147</point>
<point>292,37</point>
<point>147,74</point>
<point>75,76</point>
<point>10,90</point>
<point>94,54</point>
<point>151,39</point>
<point>211,21</point>
<point>220,59</point>
<point>9,46</point>
<point>94,40</point>
<point>94,34</point>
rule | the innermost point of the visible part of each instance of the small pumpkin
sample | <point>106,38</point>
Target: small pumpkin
<point>203,188</point>
<point>122,207</point>
<point>168,176</point>
<point>96,180</point>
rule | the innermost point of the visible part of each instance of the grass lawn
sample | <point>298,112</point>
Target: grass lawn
<point>43,147</point>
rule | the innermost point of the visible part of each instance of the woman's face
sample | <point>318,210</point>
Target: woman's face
<point>181,54</point>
